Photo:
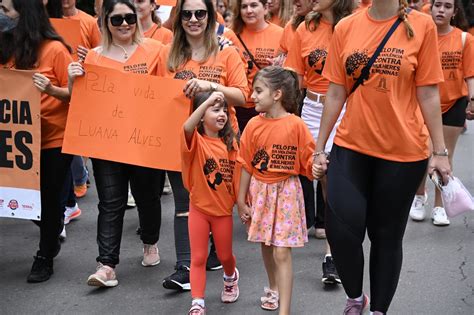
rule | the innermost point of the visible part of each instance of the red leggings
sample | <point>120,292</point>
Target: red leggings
<point>199,225</point>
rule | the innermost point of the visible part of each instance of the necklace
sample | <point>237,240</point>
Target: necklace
<point>125,54</point>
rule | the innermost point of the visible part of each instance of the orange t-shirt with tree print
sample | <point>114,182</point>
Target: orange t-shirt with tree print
<point>457,64</point>
<point>272,150</point>
<point>144,60</point>
<point>161,34</point>
<point>226,68</point>
<point>263,45</point>
<point>209,173</point>
<point>90,34</point>
<point>53,60</point>
<point>382,117</point>
<point>307,55</point>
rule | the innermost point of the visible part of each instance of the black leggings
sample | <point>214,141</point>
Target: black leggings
<point>365,192</point>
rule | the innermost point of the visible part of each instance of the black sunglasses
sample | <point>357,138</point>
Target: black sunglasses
<point>186,15</point>
<point>117,20</point>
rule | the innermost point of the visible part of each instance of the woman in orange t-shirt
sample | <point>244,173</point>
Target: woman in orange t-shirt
<point>209,152</point>
<point>151,23</point>
<point>456,48</point>
<point>29,42</point>
<point>262,41</point>
<point>196,56</point>
<point>380,151</point>
<point>123,49</point>
<point>280,11</point>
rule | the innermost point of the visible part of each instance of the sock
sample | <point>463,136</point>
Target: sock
<point>229,278</point>
<point>198,301</point>
<point>359,299</point>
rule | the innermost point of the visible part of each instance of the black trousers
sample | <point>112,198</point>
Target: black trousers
<point>54,168</point>
<point>373,195</point>
<point>112,180</point>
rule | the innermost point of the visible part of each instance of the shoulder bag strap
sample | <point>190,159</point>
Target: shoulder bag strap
<point>248,52</point>
<point>366,70</point>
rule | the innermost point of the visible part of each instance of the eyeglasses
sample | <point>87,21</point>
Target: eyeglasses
<point>117,20</point>
<point>200,15</point>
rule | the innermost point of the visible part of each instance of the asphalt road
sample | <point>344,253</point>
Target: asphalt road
<point>437,275</point>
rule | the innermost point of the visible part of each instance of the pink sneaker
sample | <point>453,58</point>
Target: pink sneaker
<point>230,294</point>
<point>354,307</point>
<point>151,255</point>
<point>197,309</point>
<point>103,277</point>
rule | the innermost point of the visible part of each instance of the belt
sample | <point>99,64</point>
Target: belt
<point>316,97</point>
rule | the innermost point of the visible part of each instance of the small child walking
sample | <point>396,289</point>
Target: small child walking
<point>209,151</point>
<point>276,146</point>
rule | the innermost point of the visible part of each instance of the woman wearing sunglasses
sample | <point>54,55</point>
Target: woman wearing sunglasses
<point>124,49</point>
<point>258,40</point>
<point>29,42</point>
<point>195,56</point>
<point>151,23</point>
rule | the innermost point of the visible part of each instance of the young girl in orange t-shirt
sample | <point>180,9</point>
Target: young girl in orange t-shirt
<point>276,147</point>
<point>209,151</point>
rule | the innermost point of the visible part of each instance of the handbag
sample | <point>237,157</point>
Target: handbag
<point>456,198</point>
<point>364,75</point>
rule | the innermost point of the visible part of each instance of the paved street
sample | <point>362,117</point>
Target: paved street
<point>437,275</point>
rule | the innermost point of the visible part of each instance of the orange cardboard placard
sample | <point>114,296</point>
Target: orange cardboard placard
<point>129,118</point>
<point>70,31</point>
<point>171,3</point>
<point>20,145</point>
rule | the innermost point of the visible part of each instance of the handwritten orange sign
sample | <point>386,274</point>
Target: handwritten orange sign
<point>125,117</point>
<point>20,145</point>
<point>70,31</point>
<point>171,3</point>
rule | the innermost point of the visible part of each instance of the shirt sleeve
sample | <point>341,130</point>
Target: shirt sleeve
<point>236,76</point>
<point>188,152</point>
<point>468,57</point>
<point>294,60</point>
<point>428,71</point>
<point>334,67</point>
<point>246,150</point>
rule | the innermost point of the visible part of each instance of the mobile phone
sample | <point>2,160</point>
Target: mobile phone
<point>437,180</point>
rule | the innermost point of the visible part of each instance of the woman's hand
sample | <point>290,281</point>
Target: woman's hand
<point>441,165</point>
<point>82,53</point>
<point>244,212</point>
<point>74,70</point>
<point>470,110</point>
<point>278,61</point>
<point>42,83</point>
<point>320,165</point>
<point>194,86</point>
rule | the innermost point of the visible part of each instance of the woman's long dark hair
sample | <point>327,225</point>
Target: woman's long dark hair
<point>24,41</point>
<point>55,9</point>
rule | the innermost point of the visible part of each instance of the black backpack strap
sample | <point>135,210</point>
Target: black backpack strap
<point>248,52</point>
<point>364,75</point>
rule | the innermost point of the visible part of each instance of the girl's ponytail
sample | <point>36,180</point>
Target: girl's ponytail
<point>402,14</point>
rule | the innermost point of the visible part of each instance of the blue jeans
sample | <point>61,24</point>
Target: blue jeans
<point>79,171</point>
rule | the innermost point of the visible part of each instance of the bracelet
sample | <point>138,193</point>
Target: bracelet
<point>441,153</point>
<point>321,152</point>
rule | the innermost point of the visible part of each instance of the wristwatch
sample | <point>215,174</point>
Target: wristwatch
<point>213,87</point>
<point>441,153</point>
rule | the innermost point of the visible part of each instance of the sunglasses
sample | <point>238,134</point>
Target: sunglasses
<point>117,20</point>
<point>186,15</point>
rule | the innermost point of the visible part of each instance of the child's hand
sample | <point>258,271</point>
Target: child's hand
<point>244,212</point>
<point>216,98</point>
<point>320,166</point>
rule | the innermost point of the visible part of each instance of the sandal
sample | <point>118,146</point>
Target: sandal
<point>269,302</point>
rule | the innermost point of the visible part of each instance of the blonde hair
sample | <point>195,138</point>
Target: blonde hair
<point>340,9</point>
<point>285,12</point>
<point>402,14</point>
<point>180,51</point>
<point>107,8</point>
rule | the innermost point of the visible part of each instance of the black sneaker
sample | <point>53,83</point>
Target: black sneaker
<point>213,262</point>
<point>330,275</point>
<point>179,280</point>
<point>41,270</point>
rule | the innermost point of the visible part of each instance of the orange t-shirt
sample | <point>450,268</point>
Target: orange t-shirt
<point>161,34</point>
<point>307,55</point>
<point>275,19</point>
<point>90,33</point>
<point>457,64</point>
<point>220,19</point>
<point>426,8</point>
<point>225,68</point>
<point>287,37</point>
<point>53,60</point>
<point>208,171</point>
<point>272,150</point>
<point>144,60</point>
<point>471,30</point>
<point>262,45</point>
<point>382,117</point>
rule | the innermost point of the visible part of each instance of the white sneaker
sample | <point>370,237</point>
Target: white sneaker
<point>417,210</point>
<point>71,213</point>
<point>131,200</point>
<point>439,217</point>
<point>62,236</point>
